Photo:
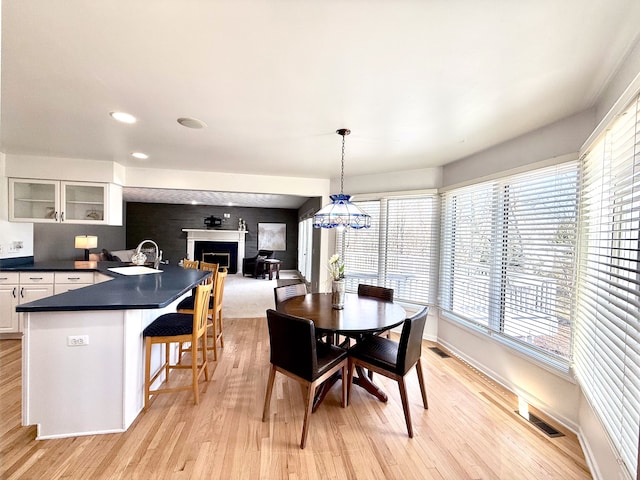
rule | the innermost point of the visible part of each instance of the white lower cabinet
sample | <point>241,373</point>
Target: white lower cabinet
<point>17,288</point>
<point>65,281</point>
<point>9,298</point>
<point>34,286</point>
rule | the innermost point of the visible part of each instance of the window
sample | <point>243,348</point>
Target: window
<point>508,255</point>
<point>399,251</point>
<point>305,244</point>
<point>607,336</point>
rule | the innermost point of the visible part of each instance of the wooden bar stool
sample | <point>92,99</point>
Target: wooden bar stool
<point>187,304</point>
<point>216,318</point>
<point>178,328</point>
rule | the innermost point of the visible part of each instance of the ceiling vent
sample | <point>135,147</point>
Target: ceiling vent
<point>190,122</point>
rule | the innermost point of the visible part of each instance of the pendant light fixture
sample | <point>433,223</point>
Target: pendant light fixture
<point>341,213</point>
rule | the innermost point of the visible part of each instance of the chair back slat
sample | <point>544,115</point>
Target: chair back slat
<point>201,310</point>
<point>210,267</point>
<point>382,293</point>
<point>293,344</point>
<point>410,347</point>
<point>189,263</point>
<point>219,289</point>
<point>281,294</point>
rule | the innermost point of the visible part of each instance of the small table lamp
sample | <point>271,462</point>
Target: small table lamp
<point>86,242</point>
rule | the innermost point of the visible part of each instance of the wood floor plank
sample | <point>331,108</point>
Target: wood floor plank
<point>470,430</point>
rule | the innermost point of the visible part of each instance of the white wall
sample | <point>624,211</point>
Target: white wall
<point>11,232</point>
<point>556,142</point>
<point>71,169</point>
<point>226,182</point>
<point>401,181</point>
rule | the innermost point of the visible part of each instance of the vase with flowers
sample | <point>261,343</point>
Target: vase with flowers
<point>336,268</point>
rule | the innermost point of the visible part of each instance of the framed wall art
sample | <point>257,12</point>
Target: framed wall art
<point>272,236</point>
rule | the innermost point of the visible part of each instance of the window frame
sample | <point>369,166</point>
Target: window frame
<point>496,296</point>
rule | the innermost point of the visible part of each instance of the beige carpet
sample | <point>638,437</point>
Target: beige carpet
<point>247,297</point>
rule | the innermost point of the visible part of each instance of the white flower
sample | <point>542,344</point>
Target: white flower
<point>336,267</point>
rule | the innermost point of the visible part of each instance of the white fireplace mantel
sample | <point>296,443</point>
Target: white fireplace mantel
<point>201,235</point>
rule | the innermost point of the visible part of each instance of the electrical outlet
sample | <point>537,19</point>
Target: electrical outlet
<point>1,248</point>
<point>77,340</point>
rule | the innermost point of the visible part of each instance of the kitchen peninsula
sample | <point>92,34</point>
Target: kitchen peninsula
<point>83,352</point>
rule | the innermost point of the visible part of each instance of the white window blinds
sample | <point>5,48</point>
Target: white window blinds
<point>508,254</point>
<point>607,353</point>
<point>400,249</point>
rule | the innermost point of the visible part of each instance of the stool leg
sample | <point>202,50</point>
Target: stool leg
<point>147,371</point>
<point>167,364</point>
<point>221,333</point>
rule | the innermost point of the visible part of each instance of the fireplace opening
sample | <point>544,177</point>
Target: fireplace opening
<point>223,259</point>
<point>223,253</point>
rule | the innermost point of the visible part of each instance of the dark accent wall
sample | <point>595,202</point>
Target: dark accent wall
<point>163,223</point>
<point>56,241</point>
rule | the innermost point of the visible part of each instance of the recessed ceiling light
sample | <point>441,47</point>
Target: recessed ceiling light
<point>140,155</point>
<point>123,117</point>
<point>190,122</point>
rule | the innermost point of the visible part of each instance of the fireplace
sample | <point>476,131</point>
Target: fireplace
<point>221,242</point>
<point>223,253</point>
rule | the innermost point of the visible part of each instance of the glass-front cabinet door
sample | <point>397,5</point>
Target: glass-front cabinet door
<point>83,202</point>
<point>55,201</point>
<point>34,200</point>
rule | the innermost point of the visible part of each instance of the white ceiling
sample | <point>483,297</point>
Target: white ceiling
<point>419,82</point>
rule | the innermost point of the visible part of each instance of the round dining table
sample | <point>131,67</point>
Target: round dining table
<point>360,316</point>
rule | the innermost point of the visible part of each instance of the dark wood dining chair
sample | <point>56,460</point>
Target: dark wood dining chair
<point>296,353</point>
<point>394,359</point>
<point>178,328</point>
<point>280,294</point>
<point>382,293</point>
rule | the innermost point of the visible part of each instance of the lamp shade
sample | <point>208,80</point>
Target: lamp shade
<point>86,241</point>
<point>341,213</point>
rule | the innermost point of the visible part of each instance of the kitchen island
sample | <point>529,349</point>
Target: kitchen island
<point>83,352</point>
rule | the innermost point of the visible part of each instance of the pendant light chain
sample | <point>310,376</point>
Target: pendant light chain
<point>342,169</point>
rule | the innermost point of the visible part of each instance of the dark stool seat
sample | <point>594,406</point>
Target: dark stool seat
<point>187,303</point>
<point>170,324</point>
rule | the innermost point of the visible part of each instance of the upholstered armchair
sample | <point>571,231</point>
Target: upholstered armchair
<point>254,265</point>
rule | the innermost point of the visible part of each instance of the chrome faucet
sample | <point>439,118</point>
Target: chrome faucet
<point>139,258</point>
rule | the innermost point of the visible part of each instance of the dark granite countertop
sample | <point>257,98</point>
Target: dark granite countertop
<point>124,292</point>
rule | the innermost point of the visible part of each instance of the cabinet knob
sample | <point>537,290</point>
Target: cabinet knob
<point>62,216</point>
<point>22,292</point>
<point>15,291</point>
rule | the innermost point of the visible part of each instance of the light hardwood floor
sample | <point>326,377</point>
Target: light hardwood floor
<point>469,432</point>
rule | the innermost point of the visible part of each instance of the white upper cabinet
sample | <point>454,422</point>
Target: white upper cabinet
<point>53,201</point>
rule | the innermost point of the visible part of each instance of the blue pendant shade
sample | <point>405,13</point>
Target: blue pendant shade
<point>341,213</point>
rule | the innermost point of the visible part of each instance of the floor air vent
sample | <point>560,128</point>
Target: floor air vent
<point>442,353</point>
<point>544,426</point>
